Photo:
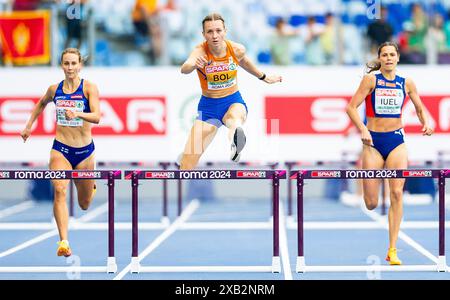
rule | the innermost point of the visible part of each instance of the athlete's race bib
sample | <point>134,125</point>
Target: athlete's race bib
<point>73,105</point>
<point>221,76</point>
<point>388,101</point>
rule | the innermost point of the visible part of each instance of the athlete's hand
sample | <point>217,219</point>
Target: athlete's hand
<point>25,134</point>
<point>201,62</point>
<point>427,130</point>
<point>272,79</point>
<point>366,138</point>
<point>70,115</point>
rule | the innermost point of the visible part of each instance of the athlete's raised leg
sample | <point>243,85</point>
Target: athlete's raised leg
<point>202,133</point>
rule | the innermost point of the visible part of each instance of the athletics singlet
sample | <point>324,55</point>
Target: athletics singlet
<point>220,74</point>
<point>76,101</point>
<point>387,99</point>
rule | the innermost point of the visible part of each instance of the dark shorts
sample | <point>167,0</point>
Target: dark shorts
<point>385,142</point>
<point>212,110</point>
<point>72,154</point>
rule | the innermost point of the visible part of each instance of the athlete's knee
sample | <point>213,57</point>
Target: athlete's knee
<point>60,189</point>
<point>84,205</point>
<point>371,202</point>
<point>396,194</point>
<point>233,120</point>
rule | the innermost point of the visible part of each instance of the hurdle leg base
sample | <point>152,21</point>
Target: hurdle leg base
<point>300,266</point>
<point>165,221</point>
<point>111,265</point>
<point>442,264</point>
<point>290,220</point>
<point>135,265</point>
<point>276,264</point>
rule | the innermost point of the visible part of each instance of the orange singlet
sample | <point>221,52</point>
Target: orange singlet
<point>219,77</point>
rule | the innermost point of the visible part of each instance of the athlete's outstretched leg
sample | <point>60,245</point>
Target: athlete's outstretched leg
<point>85,187</point>
<point>397,159</point>
<point>201,135</point>
<point>233,119</point>
<point>371,159</point>
<point>60,211</point>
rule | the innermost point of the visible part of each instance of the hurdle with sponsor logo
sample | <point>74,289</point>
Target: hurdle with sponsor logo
<point>136,175</point>
<point>110,176</point>
<point>302,175</point>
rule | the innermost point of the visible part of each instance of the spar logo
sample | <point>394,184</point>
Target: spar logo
<point>86,174</point>
<point>326,174</point>
<point>65,103</point>
<point>419,173</point>
<point>251,174</point>
<point>218,68</point>
<point>4,174</point>
<point>162,175</point>
<point>387,92</point>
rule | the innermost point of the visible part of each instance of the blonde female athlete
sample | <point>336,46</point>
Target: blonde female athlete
<point>216,61</point>
<point>77,107</point>
<point>383,144</point>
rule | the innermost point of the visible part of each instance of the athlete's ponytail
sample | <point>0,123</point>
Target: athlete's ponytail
<point>375,65</point>
<point>372,66</point>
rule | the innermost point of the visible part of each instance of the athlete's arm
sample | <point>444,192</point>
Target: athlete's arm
<point>250,67</point>
<point>196,60</point>
<point>38,108</point>
<point>93,116</point>
<point>420,111</point>
<point>365,87</point>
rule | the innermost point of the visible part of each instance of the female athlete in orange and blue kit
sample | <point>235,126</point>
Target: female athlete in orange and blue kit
<point>383,144</point>
<point>216,61</point>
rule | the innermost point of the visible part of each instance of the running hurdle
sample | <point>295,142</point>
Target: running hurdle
<point>110,176</point>
<point>301,175</point>
<point>274,175</point>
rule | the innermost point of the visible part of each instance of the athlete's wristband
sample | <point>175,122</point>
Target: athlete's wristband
<point>262,77</point>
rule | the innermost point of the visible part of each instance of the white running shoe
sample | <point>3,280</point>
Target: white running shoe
<point>237,144</point>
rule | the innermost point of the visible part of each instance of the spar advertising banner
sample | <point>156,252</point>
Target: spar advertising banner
<point>135,116</point>
<point>148,112</point>
<point>326,114</point>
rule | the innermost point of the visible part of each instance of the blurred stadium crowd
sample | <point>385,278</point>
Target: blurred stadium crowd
<point>282,32</point>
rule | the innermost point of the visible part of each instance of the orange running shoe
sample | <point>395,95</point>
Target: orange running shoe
<point>392,257</point>
<point>64,249</point>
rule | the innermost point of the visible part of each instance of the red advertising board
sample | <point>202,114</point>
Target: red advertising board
<point>326,114</point>
<point>119,116</point>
